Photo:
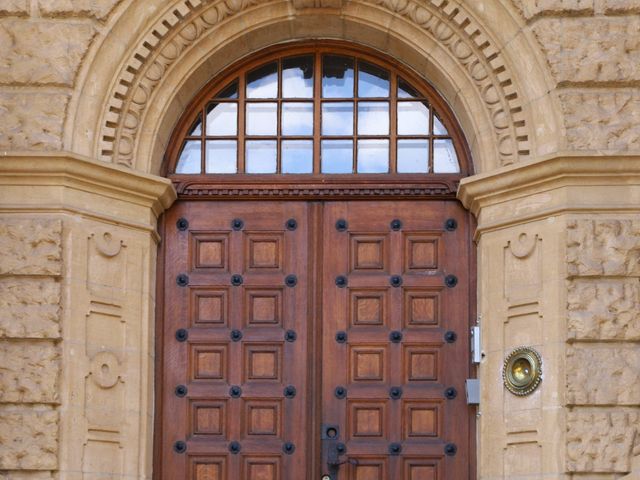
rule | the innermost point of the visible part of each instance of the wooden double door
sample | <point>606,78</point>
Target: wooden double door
<point>315,340</point>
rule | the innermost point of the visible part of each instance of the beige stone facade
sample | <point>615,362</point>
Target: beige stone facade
<point>547,93</point>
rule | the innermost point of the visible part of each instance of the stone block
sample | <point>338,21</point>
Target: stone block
<point>29,307</point>
<point>28,438</point>
<point>98,9</point>
<point>30,246</point>
<point>601,49</point>
<point>602,441</point>
<point>602,120</point>
<point>603,247</point>
<point>533,8</point>
<point>26,475</point>
<point>31,121</point>
<point>603,374</point>
<point>621,6</point>
<point>30,371</point>
<point>16,8</point>
<point>604,309</point>
<point>42,52</point>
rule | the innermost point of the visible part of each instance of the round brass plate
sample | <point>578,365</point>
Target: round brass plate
<point>522,371</point>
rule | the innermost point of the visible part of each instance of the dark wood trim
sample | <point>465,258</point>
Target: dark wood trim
<point>159,354</point>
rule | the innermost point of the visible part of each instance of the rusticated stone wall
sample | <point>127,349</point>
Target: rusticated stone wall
<point>30,310</point>
<point>603,355</point>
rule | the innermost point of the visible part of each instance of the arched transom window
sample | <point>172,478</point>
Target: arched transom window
<point>318,110</point>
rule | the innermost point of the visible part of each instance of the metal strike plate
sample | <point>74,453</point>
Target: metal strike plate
<point>472,388</point>
<point>476,352</point>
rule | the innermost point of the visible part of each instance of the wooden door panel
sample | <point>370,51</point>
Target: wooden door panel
<point>386,308</point>
<point>243,366</point>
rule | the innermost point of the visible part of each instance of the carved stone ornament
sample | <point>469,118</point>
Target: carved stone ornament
<point>169,38</point>
<point>105,369</point>
<point>522,371</point>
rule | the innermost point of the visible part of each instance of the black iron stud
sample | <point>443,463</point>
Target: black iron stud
<point>342,225</point>
<point>450,336</point>
<point>289,391</point>
<point>180,447</point>
<point>341,281</point>
<point>235,447</point>
<point>182,335</point>
<point>395,449</point>
<point>395,281</point>
<point>450,393</point>
<point>236,280</point>
<point>450,224</point>
<point>341,337</point>
<point>341,448</point>
<point>237,224</point>
<point>450,449</point>
<point>290,335</point>
<point>182,224</point>
<point>395,393</point>
<point>182,280</point>
<point>235,391</point>
<point>291,281</point>
<point>181,391</point>
<point>396,224</point>
<point>291,224</point>
<point>340,392</point>
<point>450,281</point>
<point>395,336</point>
<point>288,448</point>
<point>236,335</point>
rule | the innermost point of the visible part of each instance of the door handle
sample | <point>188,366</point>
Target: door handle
<point>333,450</point>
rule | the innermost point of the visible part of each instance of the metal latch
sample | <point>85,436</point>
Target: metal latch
<point>476,352</point>
<point>472,388</point>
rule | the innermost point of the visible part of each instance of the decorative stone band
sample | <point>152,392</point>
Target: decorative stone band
<point>550,185</point>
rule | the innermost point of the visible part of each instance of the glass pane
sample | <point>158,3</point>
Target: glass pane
<point>297,118</point>
<point>263,82</point>
<point>230,91</point>
<point>222,119</point>
<point>297,77</point>
<point>189,161</point>
<point>413,118</point>
<point>406,91</point>
<point>221,156</point>
<point>373,156</point>
<point>372,81</point>
<point>413,156</point>
<point>261,156</point>
<point>297,156</point>
<point>262,118</point>
<point>196,128</point>
<point>438,127</point>
<point>445,159</point>
<point>337,77</point>
<point>337,118</point>
<point>337,156</point>
<point>373,118</point>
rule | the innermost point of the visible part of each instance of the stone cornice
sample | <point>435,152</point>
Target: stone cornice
<point>558,183</point>
<point>30,169</point>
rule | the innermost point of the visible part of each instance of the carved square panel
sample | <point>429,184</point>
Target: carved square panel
<point>209,307</point>
<point>208,362</point>
<point>421,252</point>
<point>368,468</point>
<point>366,419</point>
<point>208,468</point>
<point>263,362</point>
<point>421,469</point>
<point>420,419</point>
<point>421,307</point>
<point>264,251</point>
<point>262,418</point>
<point>261,468</point>
<point>368,307</point>
<point>420,363</point>
<point>263,307</point>
<point>368,252</point>
<point>367,363</point>
<point>208,417</point>
<point>210,251</point>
